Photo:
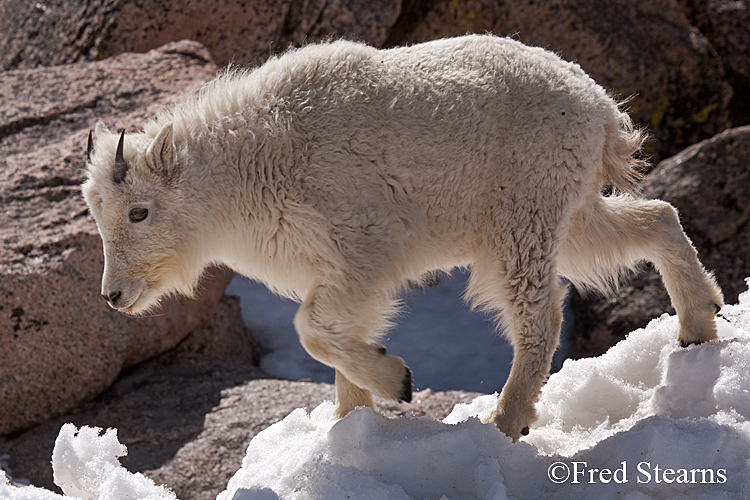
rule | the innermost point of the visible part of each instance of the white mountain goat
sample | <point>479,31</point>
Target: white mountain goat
<point>337,173</point>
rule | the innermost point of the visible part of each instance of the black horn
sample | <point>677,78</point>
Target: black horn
<point>89,147</point>
<point>120,167</point>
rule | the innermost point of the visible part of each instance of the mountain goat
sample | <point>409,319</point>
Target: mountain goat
<point>338,173</point>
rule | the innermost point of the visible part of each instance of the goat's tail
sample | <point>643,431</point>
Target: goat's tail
<point>623,169</point>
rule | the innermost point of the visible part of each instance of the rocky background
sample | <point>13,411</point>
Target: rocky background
<point>182,386</point>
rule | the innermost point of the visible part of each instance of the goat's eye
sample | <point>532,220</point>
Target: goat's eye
<point>138,214</point>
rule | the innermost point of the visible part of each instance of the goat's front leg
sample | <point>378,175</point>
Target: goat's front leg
<point>336,326</point>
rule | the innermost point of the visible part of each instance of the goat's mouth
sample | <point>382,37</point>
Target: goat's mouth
<point>130,311</point>
<point>139,305</point>
<point>128,299</point>
<point>147,299</point>
<point>130,308</point>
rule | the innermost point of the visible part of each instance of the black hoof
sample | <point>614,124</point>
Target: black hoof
<point>406,388</point>
<point>525,431</point>
<point>685,344</point>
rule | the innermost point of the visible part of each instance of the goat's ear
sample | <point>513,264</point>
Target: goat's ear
<point>100,128</point>
<point>160,155</point>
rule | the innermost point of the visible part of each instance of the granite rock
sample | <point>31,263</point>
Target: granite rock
<point>240,32</point>
<point>60,343</point>
<point>725,24</point>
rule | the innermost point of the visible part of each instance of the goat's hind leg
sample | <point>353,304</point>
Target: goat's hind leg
<point>619,231</point>
<point>349,396</point>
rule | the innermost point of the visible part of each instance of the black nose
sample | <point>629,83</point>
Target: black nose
<point>112,297</point>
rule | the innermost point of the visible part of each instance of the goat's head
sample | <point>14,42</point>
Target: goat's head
<point>133,190</point>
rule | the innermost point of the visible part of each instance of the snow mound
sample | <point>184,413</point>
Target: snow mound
<point>646,420</point>
<point>85,465</point>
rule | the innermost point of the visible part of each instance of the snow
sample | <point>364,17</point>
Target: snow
<point>86,467</point>
<point>646,420</point>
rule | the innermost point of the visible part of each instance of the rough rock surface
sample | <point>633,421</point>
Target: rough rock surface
<point>60,344</point>
<point>725,24</point>
<point>709,183</point>
<point>187,419</point>
<point>246,32</point>
<point>52,32</point>
<point>422,20</point>
<point>647,50</point>
<point>59,32</point>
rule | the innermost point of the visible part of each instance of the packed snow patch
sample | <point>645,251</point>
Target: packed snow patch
<point>646,420</point>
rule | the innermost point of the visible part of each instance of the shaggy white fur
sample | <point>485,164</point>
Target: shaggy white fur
<point>336,173</point>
